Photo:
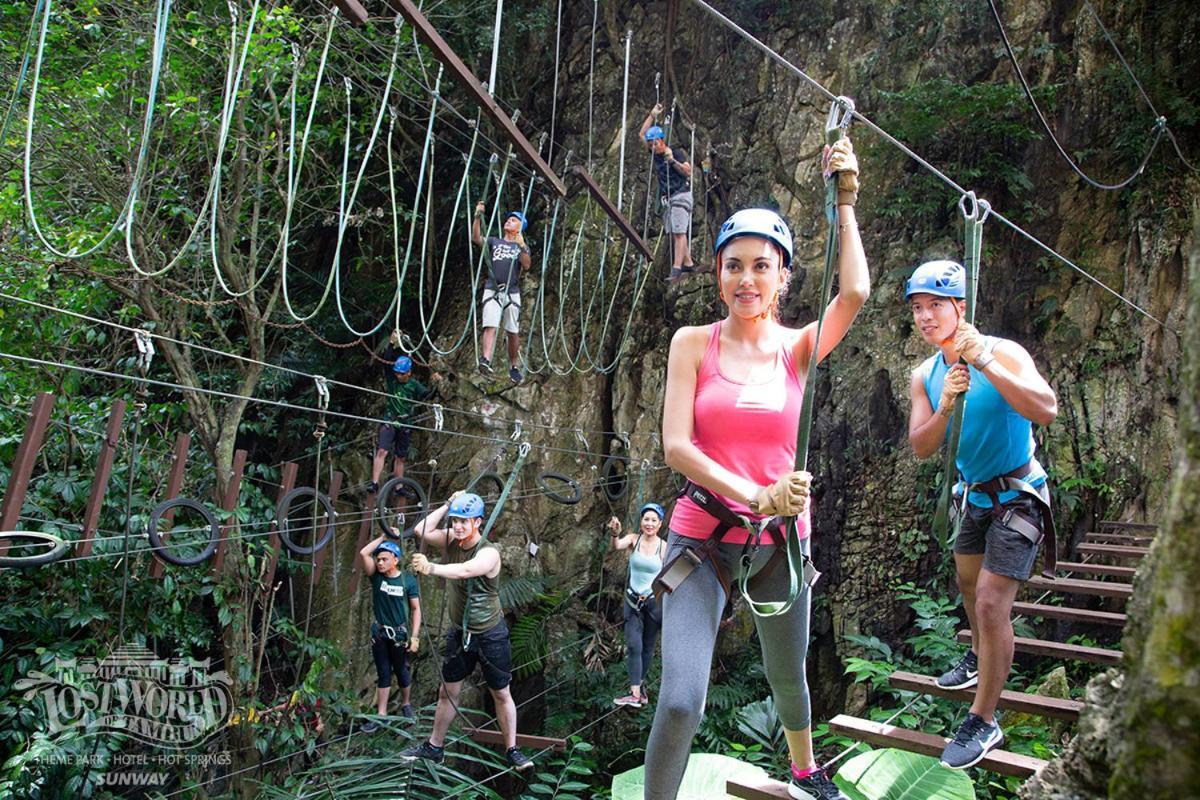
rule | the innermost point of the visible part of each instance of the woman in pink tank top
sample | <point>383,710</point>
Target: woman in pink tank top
<point>730,421</point>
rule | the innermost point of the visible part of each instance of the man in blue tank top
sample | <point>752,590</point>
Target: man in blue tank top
<point>1006,509</point>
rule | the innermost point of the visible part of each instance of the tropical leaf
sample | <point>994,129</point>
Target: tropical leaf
<point>892,774</point>
<point>521,590</point>
<point>704,778</point>
<point>759,722</point>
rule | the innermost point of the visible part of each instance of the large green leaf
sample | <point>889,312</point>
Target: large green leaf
<point>900,775</point>
<point>704,778</point>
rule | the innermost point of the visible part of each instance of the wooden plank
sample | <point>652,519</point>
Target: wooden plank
<point>609,208</point>
<point>287,482</point>
<point>881,735</point>
<point>1106,524</point>
<point>1042,647</point>
<point>22,468</point>
<point>489,736</point>
<point>1111,570</point>
<point>174,486</point>
<point>1112,550</point>
<point>1118,538</point>
<point>228,504</point>
<point>463,75</point>
<point>335,487</point>
<point>364,535</point>
<point>1053,707</point>
<point>1070,614</point>
<point>353,11</point>
<point>764,790</point>
<point>1080,586</point>
<point>104,462</point>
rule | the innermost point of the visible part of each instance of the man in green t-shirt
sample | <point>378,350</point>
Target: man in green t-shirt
<point>395,596</point>
<point>403,390</point>
<point>478,633</point>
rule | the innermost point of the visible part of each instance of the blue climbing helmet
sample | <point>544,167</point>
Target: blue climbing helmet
<point>467,506</point>
<point>655,507</point>
<point>519,215</point>
<point>403,365</point>
<point>941,278</point>
<point>655,132</point>
<point>389,547</point>
<point>761,222</point>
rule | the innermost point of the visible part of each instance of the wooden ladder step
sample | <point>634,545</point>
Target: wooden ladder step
<point>1043,647</point>
<point>764,790</point>
<point>1112,550</point>
<point>1080,586</point>
<point>1071,614</point>
<point>1118,538</point>
<point>1098,569</point>
<point>881,735</point>
<point>1111,524</point>
<point>1054,707</point>
<point>490,736</point>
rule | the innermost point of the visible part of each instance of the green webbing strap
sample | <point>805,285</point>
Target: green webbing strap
<point>974,213</point>
<point>522,452</point>
<point>836,125</point>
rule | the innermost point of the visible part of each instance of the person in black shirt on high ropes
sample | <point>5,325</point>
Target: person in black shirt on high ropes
<point>507,256</point>
<point>674,192</point>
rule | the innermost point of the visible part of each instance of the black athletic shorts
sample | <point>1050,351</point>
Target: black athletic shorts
<point>491,649</point>
<point>1006,550</point>
<point>395,439</point>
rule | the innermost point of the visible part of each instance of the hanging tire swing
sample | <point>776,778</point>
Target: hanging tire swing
<point>613,479</point>
<point>285,533</point>
<point>383,505</point>
<point>481,483</point>
<point>576,489</point>
<point>28,539</point>
<point>163,551</point>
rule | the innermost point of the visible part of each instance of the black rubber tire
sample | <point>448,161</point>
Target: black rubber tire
<point>50,556</point>
<point>385,494</point>
<point>160,548</point>
<point>615,485</point>
<point>492,478</point>
<point>567,500</point>
<point>281,520</point>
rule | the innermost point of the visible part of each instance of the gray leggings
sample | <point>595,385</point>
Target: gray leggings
<point>690,619</point>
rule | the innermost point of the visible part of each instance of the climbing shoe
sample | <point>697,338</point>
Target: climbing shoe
<point>971,743</point>
<point>369,727</point>
<point>425,751</point>
<point>485,366</point>
<point>518,760</point>
<point>406,711</point>
<point>514,374</point>
<point>964,674</point>
<point>814,786</point>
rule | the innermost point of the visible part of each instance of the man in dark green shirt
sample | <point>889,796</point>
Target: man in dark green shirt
<point>395,435</point>
<point>395,597</point>
<point>479,635</point>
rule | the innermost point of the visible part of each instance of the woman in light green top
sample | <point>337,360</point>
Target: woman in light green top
<point>643,617</point>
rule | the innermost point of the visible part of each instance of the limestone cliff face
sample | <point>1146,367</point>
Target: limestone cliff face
<point>933,73</point>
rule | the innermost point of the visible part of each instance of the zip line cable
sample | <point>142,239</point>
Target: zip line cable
<point>861,118</point>
<point>1159,124</point>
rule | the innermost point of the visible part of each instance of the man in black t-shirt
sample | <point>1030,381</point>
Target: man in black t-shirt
<point>674,173</point>
<point>506,258</point>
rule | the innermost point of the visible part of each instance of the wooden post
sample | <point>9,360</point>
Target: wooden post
<point>104,462</point>
<point>353,11</point>
<point>609,208</point>
<point>22,469</point>
<point>287,482</point>
<point>364,536</point>
<point>474,88</point>
<point>335,487</point>
<point>174,485</point>
<point>228,504</point>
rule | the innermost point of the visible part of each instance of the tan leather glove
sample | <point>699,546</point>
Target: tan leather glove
<point>786,497</point>
<point>420,564</point>
<point>840,158</point>
<point>958,380</point>
<point>968,341</point>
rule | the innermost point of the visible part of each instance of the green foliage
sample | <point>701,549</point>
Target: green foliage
<point>563,777</point>
<point>891,774</point>
<point>703,779</point>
